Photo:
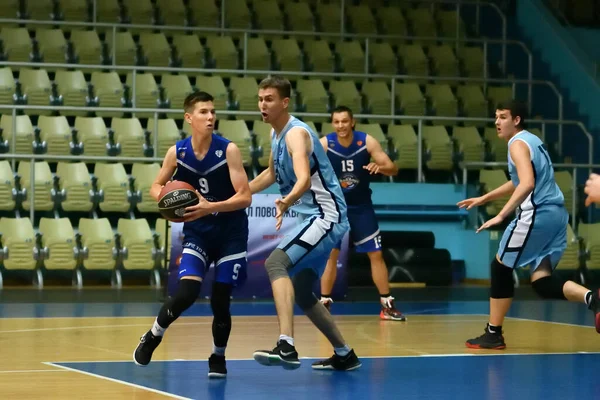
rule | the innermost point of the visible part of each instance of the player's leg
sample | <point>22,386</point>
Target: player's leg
<point>344,358</point>
<point>230,271</point>
<point>191,274</point>
<point>364,232</point>
<point>550,286</point>
<point>278,265</point>
<point>328,277</point>
<point>502,291</point>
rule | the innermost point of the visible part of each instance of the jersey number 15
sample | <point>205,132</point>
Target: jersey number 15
<point>347,165</point>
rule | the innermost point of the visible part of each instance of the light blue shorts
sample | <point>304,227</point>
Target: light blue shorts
<point>534,235</point>
<point>309,244</point>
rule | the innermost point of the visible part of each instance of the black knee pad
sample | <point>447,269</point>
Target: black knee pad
<point>220,300</point>
<point>187,293</point>
<point>503,286</point>
<point>303,283</point>
<point>549,287</point>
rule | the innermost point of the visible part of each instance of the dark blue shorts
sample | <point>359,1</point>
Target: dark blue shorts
<point>224,244</point>
<point>364,229</point>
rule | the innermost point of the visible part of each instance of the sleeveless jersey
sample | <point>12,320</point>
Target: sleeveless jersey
<point>348,163</point>
<point>324,198</point>
<point>210,177</point>
<point>546,191</point>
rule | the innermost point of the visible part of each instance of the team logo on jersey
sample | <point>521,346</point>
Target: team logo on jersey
<point>360,142</point>
<point>349,181</point>
<point>219,153</point>
<point>182,152</point>
<point>331,143</point>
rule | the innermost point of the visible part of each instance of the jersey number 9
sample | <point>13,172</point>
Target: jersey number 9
<point>203,185</point>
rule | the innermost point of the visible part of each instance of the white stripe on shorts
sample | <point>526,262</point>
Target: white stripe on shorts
<point>232,257</point>
<point>522,228</point>
<point>316,231</point>
<point>194,253</point>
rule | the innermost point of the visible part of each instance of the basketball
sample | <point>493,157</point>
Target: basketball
<point>173,199</point>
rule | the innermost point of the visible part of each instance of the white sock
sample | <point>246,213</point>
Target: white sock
<point>157,330</point>
<point>288,339</point>
<point>342,351</point>
<point>220,351</point>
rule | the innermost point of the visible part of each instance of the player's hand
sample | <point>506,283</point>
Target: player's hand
<point>202,209</point>
<point>592,189</point>
<point>373,168</point>
<point>281,207</point>
<point>470,203</point>
<point>490,222</point>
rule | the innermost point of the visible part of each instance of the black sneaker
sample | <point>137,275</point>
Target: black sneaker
<point>348,362</point>
<point>489,340</point>
<point>283,354</point>
<point>143,352</point>
<point>327,301</point>
<point>216,367</point>
<point>595,307</point>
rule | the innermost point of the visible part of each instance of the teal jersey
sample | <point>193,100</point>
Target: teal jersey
<point>546,191</point>
<point>324,199</point>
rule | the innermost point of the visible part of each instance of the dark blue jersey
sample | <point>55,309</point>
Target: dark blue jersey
<point>210,177</point>
<point>348,163</point>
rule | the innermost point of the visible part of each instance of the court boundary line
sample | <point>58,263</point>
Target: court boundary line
<point>499,353</point>
<point>171,395</point>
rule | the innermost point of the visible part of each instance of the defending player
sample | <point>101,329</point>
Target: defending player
<point>537,236</point>
<point>307,184</point>
<point>216,229</point>
<point>350,153</point>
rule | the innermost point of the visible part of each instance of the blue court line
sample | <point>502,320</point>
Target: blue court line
<point>543,376</point>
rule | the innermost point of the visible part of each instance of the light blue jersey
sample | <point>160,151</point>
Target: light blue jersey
<point>324,198</point>
<point>539,231</point>
<point>546,190</point>
<point>322,207</point>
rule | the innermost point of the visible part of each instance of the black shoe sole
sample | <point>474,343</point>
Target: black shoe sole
<point>136,361</point>
<point>271,360</point>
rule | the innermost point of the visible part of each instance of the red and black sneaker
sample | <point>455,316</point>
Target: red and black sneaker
<point>489,340</point>
<point>389,311</point>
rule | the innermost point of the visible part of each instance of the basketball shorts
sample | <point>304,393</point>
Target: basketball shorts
<point>308,245</point>
<point>364,229</point>
<point>224,244</point>
<point>534,235</point>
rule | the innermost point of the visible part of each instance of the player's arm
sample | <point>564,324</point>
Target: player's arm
<point>382,164</point>
<point>242,197</point>
<point>264,179</point>
<point>298,144</point>
<point>519,152</point>
<point>506,189</point>
<point>165,174</point>
<point>323,141</point>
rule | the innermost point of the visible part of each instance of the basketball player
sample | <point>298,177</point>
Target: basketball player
<point>308,185</point>
<point>216,229</point>
<point>592,189</point>
<point>537,236</point>
<point>350,153</point>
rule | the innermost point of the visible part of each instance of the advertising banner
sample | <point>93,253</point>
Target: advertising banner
<point>263,239</point>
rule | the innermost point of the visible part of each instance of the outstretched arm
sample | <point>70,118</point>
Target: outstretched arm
<point>382,164</point>
<point>264,179</point>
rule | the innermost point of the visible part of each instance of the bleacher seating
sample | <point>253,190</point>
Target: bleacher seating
<point>106,189</point>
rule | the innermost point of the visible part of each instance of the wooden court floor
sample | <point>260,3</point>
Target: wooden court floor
<point>53,355</point>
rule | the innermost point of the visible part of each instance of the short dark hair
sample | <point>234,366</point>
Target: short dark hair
<point>278,82</point>
<point>517,109</point>
<point>341,109</point>
<point>196,97</point>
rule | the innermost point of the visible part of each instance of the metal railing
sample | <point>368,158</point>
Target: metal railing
<point>156,111</point>
<point>393,78</point>
<point>114,27</point>
<point>573,167</point>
